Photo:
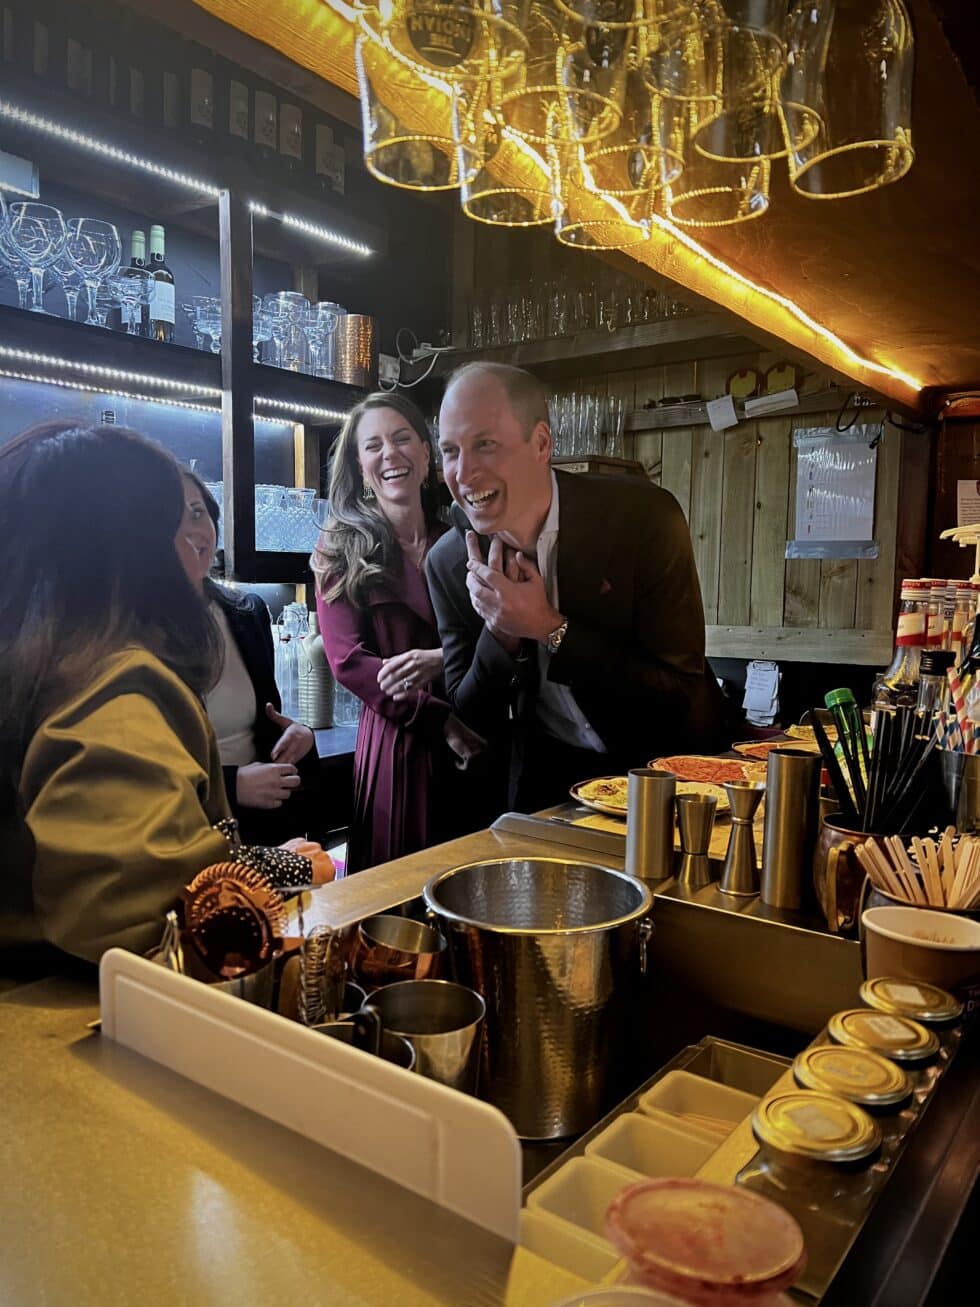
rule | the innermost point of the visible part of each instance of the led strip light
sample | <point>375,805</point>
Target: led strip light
<point>311,410</point>
<point>273,419</point>
<point>50,128</point>
<point>110,374</point>
<point>312,229</point>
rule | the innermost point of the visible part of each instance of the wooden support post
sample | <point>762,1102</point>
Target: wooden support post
<point>237,397</point>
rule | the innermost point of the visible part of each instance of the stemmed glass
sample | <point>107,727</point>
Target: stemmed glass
<point>318,325</point>
<point>132,288</point>
<point>71,281</point>
<point>10,260</point>
<point>95,249</point>
<point>284,307</point>
<point>36,233</point>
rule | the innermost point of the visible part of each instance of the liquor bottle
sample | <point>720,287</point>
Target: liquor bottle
<point>137,259</point>
<point>963,618</point>
<point>898,685</point>
<point>934,619</point>
<point>265,125</point>
<point>161,311</point>
<point>200,101</point>
<point>291,138</point>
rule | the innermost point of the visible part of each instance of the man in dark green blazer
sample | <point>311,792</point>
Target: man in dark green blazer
<point>568,606</point>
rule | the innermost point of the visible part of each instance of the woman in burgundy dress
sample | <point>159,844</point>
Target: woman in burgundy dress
<point>380,634</point>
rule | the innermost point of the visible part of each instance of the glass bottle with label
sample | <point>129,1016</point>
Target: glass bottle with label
<point>200,97</point>
<point>934,614</point>
<point>898,685</point>
<point>137,260</point>
<point>291,138</point>
<point>266,124</point>
<point>161,311</point>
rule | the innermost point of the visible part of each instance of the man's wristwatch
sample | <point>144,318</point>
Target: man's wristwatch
<point>553,641</point>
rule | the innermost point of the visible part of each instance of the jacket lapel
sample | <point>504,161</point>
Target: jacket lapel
<point>584,546</point>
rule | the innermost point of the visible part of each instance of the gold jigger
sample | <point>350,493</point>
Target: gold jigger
<point>741,870</point>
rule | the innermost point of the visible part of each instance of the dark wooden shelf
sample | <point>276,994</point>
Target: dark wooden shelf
<point>163,200</point>
<point>290,389</point>
<point>268,567</point>
<point>696,414</point>
<point>675,340</point>
<point>75,343</point>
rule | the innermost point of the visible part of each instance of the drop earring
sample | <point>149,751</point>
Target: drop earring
<point>366,492</point>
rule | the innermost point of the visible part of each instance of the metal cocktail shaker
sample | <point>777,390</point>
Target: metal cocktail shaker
<point>650,823</point>
<point>790,833</point>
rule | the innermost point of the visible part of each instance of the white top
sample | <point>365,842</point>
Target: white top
<point>231,704</point>
<point>558,711</point>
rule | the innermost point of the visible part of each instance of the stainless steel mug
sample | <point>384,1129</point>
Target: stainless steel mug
<point>394,1048</point>
<point>650,823</point>
<point>442,1021</point>
<point>791,821</point>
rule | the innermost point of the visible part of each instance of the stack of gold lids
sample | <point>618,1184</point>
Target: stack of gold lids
<point>355,350</point>
<point>856,1074</point>
<point>803,1126</point>
<point>911,998</point>
<point>895,1037</point>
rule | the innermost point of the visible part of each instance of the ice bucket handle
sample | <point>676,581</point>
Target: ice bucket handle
<point>647,931</point>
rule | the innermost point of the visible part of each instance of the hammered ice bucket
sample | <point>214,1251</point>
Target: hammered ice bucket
<point>557,950</point>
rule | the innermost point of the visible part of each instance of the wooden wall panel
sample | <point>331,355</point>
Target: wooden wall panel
<point>676,460</point>
<point>707,483</point>
<point>770,513</point>
<point>737,520</point>
<point>875,577</point>
<point>838,593</point>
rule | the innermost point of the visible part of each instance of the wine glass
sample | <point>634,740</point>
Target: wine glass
<point>36,233</point>
<point>284,308</point>
<point>71,281</point>
<point>95,249</point>
<point>10,260</point>
<point>131,288</point>
<point>320,323</point>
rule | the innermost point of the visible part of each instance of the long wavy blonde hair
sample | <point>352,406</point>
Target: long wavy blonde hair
<point>357,549</point>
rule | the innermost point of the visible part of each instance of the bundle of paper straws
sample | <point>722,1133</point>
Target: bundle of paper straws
<point>956,730</point>
<point>943,875</point>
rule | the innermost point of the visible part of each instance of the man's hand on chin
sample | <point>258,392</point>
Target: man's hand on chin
<point>510,597</point>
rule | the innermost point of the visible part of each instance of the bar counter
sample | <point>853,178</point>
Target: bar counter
<point>126,1182</point>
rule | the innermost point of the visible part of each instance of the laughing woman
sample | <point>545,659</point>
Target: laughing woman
<point>380,633</point>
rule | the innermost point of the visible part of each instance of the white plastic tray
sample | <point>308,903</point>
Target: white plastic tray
<point>415,1132</point>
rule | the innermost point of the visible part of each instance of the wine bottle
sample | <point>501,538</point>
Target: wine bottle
<point>161,311</point>
<point>291,138</point>
<point>137,259</point>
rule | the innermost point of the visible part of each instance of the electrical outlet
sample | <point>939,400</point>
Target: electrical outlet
<point>389,369</point>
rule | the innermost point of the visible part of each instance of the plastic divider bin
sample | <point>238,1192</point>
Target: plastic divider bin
<point>581,1191</point>
<point>653,1147</point>
<point>573,1250</point>
<point>697,1104</point>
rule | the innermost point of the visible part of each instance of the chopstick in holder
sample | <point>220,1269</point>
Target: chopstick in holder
<point>901,811</point>
<point>884,729</point>
<point>848,810</point>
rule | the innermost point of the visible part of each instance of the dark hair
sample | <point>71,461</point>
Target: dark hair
<point>228,598</point>
<point>89,567</point>
<point>358,548</point>
<point>526,395</point>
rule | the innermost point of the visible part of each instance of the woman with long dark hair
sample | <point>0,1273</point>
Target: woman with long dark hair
<point>380,634</point>
<point>110,782</point>
<point>269,760</point>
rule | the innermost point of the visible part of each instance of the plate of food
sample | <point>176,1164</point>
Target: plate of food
<point>761,749</point>
<point>705,788</point>
<point>604,794</point>
<point>806,734</point>
<point>699,767</point>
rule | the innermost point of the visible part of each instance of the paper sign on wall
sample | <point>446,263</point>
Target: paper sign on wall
<point>967,503</point>
<point>835,494</point>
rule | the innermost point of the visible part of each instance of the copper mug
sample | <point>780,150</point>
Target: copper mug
<point>389,948</point>
<point>837,875</point>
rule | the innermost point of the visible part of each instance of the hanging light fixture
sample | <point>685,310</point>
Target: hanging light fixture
<point>677,108</point>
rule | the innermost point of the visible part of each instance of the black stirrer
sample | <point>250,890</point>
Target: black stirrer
<point>883,734</point>
<point>900,796</point>
<point>846,803</point>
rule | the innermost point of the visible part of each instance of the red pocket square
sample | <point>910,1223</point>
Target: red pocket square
<point>605,588</point>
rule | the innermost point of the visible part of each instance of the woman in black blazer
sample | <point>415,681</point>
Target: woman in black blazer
<point>269,760</point>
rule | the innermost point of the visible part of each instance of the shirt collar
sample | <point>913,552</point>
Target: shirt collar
<point>551,521</point>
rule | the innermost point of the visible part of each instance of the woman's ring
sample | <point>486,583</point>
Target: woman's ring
<point>406,684</point>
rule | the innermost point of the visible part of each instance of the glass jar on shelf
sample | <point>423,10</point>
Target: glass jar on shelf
<point>818,1160</point>
<point>867,1079</point>
<point>900,1039</point>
